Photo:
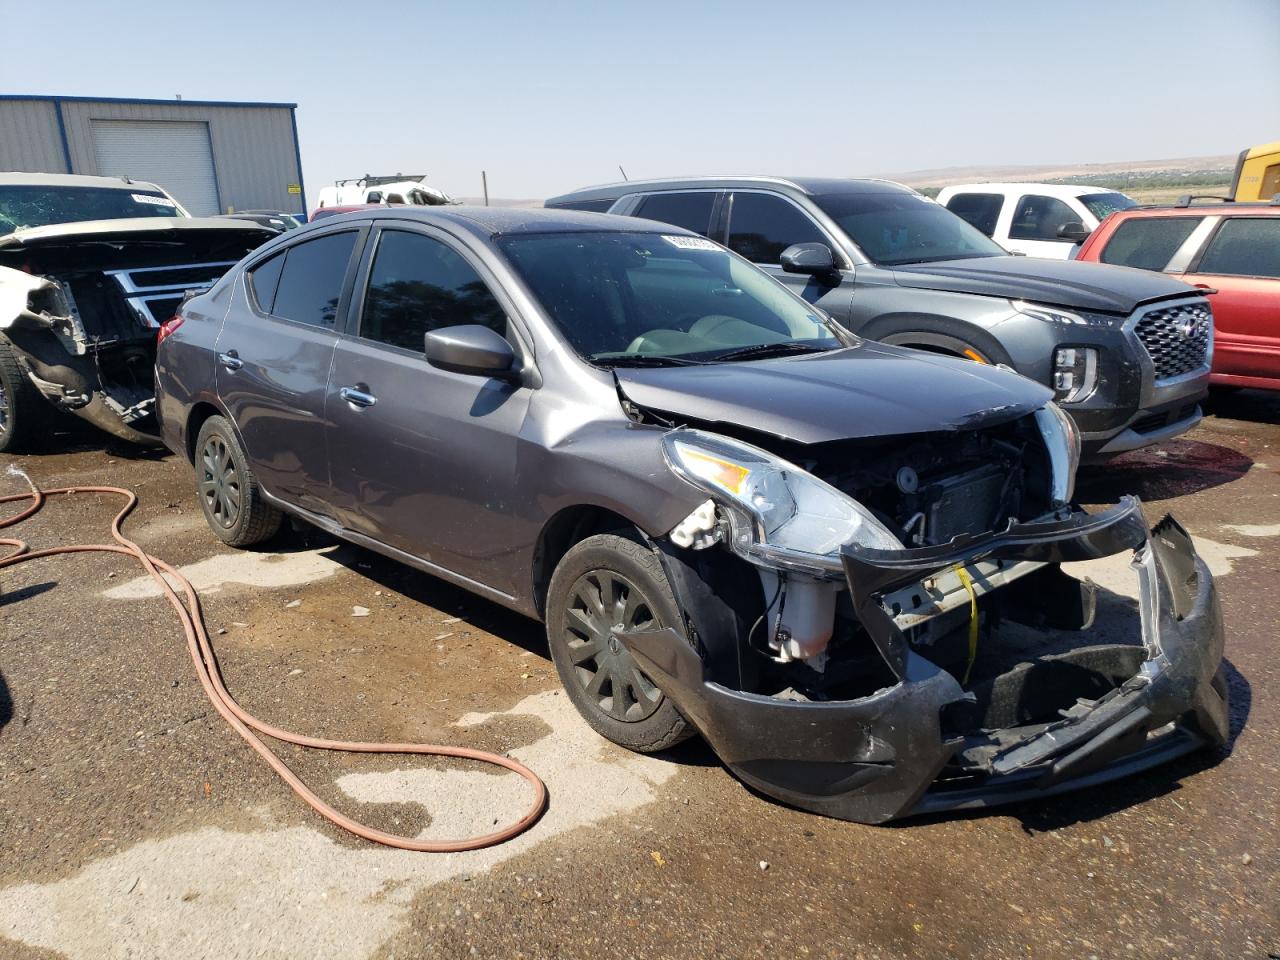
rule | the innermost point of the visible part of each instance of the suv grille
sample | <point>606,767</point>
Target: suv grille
<point>1177,338</point>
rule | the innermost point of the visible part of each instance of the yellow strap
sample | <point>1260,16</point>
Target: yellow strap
<point>967,581</point>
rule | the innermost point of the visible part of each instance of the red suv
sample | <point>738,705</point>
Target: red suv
<point>1233,248</point>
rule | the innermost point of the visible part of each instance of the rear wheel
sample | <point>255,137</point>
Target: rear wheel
<point>605,584</point>
<point>229,494</point>
<point>26,417</point>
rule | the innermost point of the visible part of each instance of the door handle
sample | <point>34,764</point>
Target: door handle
<point>230,360</point>
<point>357,397</point>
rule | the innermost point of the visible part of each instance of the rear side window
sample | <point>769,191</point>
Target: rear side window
<point>311,281</point>
<point>762,226</point>
<point>418,284</point>
<point>1148,243</point>
<point>263,279</point>
<point>1244,247</point>
<point>1038,218</point>
<point>691,210</point>
<point>980,210</point>
<point>587,206</point>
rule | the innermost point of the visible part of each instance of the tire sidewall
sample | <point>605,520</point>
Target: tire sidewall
<point>638,563</point>
<point>236,533</point>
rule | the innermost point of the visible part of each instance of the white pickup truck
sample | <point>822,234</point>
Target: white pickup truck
<point>1035,219</point>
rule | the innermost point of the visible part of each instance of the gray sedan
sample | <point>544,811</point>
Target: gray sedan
<point>839,561</point>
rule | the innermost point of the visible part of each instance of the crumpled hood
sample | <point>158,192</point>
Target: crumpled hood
<point>152,227</point>
<point>1063,283</point>
<point>867,390</point>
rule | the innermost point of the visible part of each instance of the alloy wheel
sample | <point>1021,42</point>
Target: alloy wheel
<point>601,603</point>
<point>219,482</point>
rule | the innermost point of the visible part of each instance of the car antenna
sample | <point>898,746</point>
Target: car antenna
<point>623,172</point>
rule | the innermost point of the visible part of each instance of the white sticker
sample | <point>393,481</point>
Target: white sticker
<point>155,201</point>
<point>691,243</point>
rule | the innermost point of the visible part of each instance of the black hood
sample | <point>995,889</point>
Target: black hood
<point>1063,283</point>
<point>867,390</point>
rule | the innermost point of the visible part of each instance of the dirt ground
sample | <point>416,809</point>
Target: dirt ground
<point>134,823</point>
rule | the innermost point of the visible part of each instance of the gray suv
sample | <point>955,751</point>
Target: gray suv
<point>1127,353</point>
<point>837,560</point>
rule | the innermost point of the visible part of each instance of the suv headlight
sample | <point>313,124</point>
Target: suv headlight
<point>781,514</point>
<point>1062,440</point>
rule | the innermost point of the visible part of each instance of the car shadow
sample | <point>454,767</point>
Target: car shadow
<point>1172,469</point>
<point>1254,406</point>
<point>6,703</point>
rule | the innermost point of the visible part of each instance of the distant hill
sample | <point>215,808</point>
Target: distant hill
<point>1150,181</point>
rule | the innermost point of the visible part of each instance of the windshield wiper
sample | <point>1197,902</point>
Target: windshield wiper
<point>645,360</point>
<point>761,351</point>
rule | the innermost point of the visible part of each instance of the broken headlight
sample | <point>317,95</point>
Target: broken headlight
<point>1062,441</point>
<point>780,514</point>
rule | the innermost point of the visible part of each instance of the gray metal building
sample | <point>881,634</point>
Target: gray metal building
<point>214,156</point>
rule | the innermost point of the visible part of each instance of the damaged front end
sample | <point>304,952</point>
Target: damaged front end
<point>942,661</point>
<point>81,312</point>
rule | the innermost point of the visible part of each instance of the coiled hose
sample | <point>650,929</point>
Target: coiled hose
<point>244,723</point>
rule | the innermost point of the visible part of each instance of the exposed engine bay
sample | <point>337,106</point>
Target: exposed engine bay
<point>81,313</point>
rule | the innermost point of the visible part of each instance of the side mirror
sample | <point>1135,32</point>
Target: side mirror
<point>1074,230</point>
<point>471,349</point>
<point>814,259</point>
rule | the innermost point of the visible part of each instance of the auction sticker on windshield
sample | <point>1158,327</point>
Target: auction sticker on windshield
<point>156,201</point>
<point>691,243</point>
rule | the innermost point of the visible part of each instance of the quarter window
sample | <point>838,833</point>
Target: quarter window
<point>263,279</point>
<point>691,210</point>
<point>762,226</point>
<point>1148,243</point>
<point>980,210</point>
<point>311,281</point>
<point>1244,247</point>
<point>1038,218</point>
<point>418,284</point>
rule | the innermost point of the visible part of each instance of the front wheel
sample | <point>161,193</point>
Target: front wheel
<point>26,417</point>
<point>605,584</point>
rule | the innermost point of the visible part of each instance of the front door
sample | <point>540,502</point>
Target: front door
<point>761,225</point>
<point>421,458</point>
<point>1242,262</point>
<point>273,358</point>
<point>1033,229</point>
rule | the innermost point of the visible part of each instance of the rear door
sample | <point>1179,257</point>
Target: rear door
<point>424,459</point>
<point>273,359</point>
<point>1241,260</point>
<point>762,224</point>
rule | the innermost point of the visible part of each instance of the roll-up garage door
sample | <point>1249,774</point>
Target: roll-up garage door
<point>177,155</point>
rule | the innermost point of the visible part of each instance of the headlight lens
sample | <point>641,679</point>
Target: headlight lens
<point>1062,440</point>
<point>778,509</point>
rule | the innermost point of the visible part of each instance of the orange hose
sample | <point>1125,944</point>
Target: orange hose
<point>244,723</point>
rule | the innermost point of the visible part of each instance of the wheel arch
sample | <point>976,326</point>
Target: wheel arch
<point>567,527</point>
<point>938,333</point>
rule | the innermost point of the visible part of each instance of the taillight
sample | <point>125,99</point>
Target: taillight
<point>166,328</point>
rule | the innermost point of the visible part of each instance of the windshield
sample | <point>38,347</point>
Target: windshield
<point>1102,205</point>
<point>655,299</point>
<point>898,228</point>
<point>38,206</point>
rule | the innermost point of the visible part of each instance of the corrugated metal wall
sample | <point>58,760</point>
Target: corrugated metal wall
<point>29,138</point>
<point>254,154</point>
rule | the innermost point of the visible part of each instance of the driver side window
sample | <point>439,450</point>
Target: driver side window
<point>418,284</point>
<point>1038,218</point>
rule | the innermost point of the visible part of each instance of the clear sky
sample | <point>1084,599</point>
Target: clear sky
<point>550,96</point>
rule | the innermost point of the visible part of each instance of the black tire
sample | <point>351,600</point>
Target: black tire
<point>26,417</point>
<point>228,491</point>
<point>612,694</point>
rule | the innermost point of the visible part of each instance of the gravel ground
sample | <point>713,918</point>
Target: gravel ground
<point>134,823</point>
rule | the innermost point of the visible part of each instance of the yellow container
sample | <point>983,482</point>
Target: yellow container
<point>1257,173</point>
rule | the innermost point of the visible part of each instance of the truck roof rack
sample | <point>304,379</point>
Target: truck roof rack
<point>372,181</point>
<point>1186,198</point>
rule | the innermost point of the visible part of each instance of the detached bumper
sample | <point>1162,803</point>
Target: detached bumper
<point>891,754</point>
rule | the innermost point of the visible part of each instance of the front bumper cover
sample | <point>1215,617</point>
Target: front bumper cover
<point>880,757</point>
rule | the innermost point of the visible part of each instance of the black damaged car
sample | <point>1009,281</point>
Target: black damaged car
<point>841,562</point>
